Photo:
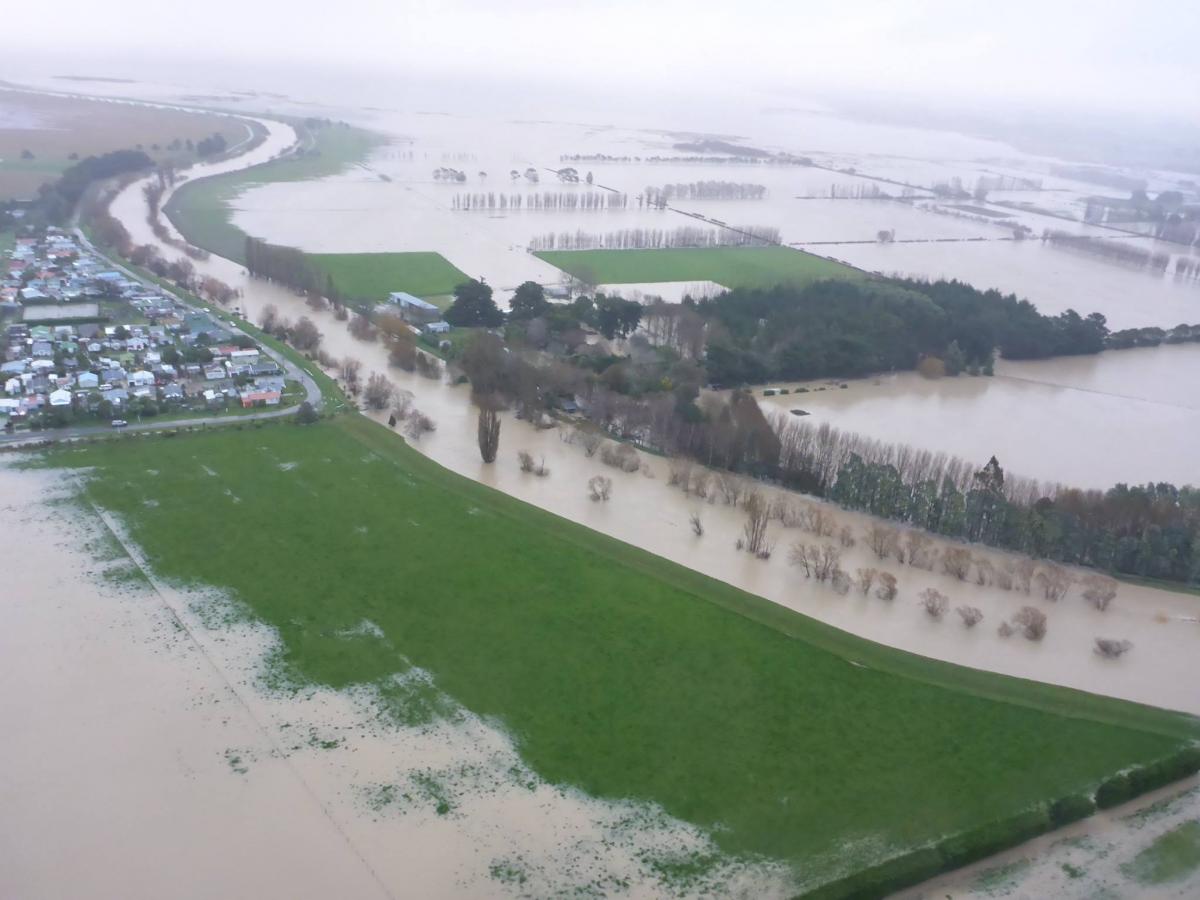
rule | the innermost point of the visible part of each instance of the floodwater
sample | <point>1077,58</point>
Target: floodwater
<point>145,759</point>
<point>359,211</point>
<point>646,512</point>
<point>1042,419</point>
<point>1085,861</point>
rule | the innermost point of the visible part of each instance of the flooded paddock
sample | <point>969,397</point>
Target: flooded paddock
<point>1042,419</point>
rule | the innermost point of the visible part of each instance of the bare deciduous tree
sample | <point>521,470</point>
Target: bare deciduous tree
<point>887,586</point>
<point>971,615</point>
<point>379,391</point>
<point>985,572</point>
<point>1054,581</point>
<point>754,531</point>
<point>1005,630</point>
<point>418,424</point>
<point>697,525</point>
<point>525,458</point>
<point>599,488</point>
<point>919,549</point>
<point>360,327</point>
<point>591,441</point>
<point>846,536</point>
<point>730,487</point>
<point>349,369</point>
<point>865,578</point>
<point>1023,574</point>
<point>882,539</point>
<point>1100,591</point>
<point>1032,622</point>
<point>935,603</point>
<point>621,456</point>
<point>956,561</point>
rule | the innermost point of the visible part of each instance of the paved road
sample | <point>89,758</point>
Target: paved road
<point>312,393</point>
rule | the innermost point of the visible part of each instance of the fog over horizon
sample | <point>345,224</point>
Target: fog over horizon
<point>1131,67</point>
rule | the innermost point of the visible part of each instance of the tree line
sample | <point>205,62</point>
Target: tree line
<point>56,201</point>
<point>658,238</point>
<point>570,200</point>
<point>289,266</point>
<point>703,190</point>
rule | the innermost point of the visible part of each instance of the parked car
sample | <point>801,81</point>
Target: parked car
<point>119,423</point>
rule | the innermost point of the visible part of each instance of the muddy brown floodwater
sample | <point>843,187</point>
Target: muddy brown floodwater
<point>1128,416</point>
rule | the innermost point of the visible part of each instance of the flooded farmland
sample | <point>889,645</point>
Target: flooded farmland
<point>336,785</point>
<point>1044,419</point>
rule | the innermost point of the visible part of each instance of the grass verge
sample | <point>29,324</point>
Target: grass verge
<point>615,671</point>
<point>733,267</point>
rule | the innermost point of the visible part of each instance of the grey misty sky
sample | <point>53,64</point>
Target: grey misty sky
<point>1101,53</point>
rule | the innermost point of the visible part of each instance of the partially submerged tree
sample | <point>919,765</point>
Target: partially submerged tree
<point>970,615</point>
<point>599,488</point>
<point>1112,649</point>
<point>488,432</point>
<point>935,603</point>
<point>1032,622</point>
<point>379,391</point>
<point>1099,591</point>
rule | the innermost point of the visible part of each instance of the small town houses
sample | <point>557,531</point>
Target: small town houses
<point>62,360</point>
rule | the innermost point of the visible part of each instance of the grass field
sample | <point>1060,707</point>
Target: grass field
<point>1172,857</point>
<point>615,671</point>
<point>371,276</point>
<point>53,128</point>
<point>733,267</point>
<point>201,210</point>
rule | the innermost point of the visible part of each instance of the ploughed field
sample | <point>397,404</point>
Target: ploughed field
<point>615,671</point>
<point>750,267</point>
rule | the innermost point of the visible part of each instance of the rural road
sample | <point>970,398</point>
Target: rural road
<point>312,393</point>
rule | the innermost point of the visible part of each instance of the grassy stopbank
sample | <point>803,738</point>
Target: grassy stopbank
<point>615,671</point>
<point>202,210</point>
<point>750,267</point>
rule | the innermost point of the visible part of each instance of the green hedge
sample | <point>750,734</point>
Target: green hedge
<point>1070,809</point>
<point>887,878</point>
<point>961,849</point>
<point>1155,775</point>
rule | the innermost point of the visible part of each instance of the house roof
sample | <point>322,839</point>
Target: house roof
<point>403,298</point>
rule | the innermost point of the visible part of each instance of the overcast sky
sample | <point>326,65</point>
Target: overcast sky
<point>1103,54</point>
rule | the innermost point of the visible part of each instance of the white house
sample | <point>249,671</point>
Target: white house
<point>142,378</point>
<point>60,398</point>
<point>88,380</point>
<point>13,386</point>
